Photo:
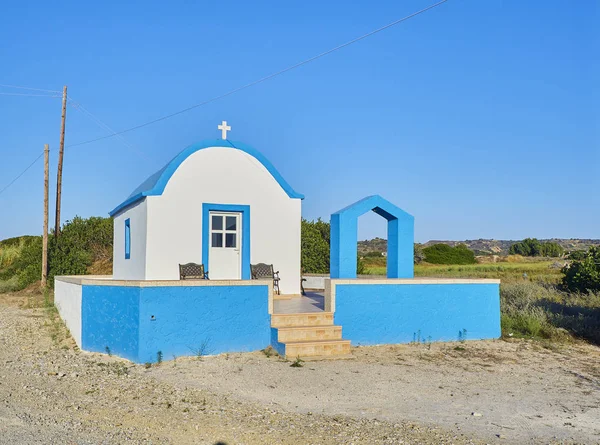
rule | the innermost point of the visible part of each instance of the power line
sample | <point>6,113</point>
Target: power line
<point>263,79</point>
<point>28,88</point>
<point>22,173</point>
<point>27,94</point>
<point>104,126</point>
<point>80,108</point>
<point>256,82</point>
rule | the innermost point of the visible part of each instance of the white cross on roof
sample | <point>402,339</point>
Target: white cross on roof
<point>224,129</point>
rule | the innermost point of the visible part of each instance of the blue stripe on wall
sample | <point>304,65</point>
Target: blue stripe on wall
<point>402,313</point>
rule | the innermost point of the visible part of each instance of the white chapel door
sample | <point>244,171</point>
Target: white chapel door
<point>225,256</point>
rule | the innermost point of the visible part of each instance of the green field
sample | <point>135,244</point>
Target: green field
<point>542,271</point>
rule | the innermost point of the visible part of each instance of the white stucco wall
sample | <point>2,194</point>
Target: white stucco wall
<point>67,299</point>
<point>221,176</point>
<point>133,268</point>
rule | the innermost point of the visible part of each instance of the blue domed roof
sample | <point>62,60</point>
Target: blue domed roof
<point>155,184</point>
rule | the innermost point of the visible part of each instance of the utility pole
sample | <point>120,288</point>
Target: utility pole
<point>61,150</point>
<point>45,233</point>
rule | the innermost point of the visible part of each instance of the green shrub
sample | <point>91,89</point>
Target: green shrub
<point>584,275</point>
<point>418,254</point>
<point>82,242</point>
<point>373,254</point>
<point>445,254</point>
<point>553,250</point>
<point>577,255</point>
<point>10,250</point>
<point>533,247</point>
<point>93,235</point>
<point>324,229</point>
<point>28,266</point>
<point>68,260</point>
<point>315,246</point>
<point>10,285</point>
<point>527,247</point>
<point>360,266</point>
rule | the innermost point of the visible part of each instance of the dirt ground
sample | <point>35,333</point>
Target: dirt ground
<point>516,392</point>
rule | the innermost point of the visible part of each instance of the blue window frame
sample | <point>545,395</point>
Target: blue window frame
<point>127,239</point>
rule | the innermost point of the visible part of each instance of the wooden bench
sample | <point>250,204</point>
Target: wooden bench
<point>192,271</point>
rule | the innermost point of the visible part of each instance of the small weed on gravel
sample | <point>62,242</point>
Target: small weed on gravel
<point>269,352</point>
<point>202,350</point>
<point>58,330</point>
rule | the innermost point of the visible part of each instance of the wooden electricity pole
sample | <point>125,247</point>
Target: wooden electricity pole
<point>45,232</point>
<point>61,150</point>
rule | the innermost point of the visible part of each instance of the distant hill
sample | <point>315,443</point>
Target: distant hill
<point>9,242</point>
<point>482,246</point>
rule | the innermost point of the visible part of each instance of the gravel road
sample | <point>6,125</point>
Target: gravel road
<point>52,393</point>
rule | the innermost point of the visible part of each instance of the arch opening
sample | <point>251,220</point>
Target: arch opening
<point>344,238</point>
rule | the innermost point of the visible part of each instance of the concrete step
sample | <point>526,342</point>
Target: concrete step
<point>302,319</point>
<point>320,358</point>
<point>318,348</point>
<point>309,333</point>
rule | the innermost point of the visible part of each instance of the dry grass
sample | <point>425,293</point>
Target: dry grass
<point>531,310</point>
<point>9,285</point>
<point>542,271</point>
<point>8,254</point>
<point>101,267</point>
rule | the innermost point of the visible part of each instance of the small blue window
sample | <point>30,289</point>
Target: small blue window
<point>127,239</point>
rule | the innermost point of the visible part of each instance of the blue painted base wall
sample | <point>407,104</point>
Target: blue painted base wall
<point>401,313</point>
<point>275,344</point>
<point>228,318</point>
<point>136,323</point>
<point>110,319</point>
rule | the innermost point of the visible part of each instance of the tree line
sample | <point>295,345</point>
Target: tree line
<point>533,247</point>
<point>87,242</point>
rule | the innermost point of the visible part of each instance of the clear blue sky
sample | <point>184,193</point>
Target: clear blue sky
<point>481,118</point>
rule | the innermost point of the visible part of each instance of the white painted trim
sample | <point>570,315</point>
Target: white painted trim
<point>91,280</point>
<point>362,281</point>
<point>67,299</point>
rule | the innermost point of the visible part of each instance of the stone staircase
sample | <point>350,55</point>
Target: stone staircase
<point>310,335</point>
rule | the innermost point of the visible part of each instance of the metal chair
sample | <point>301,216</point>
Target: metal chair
<point>262,270</point>
<point>192,271</point>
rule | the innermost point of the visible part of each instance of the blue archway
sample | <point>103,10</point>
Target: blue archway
<point>344,237</point>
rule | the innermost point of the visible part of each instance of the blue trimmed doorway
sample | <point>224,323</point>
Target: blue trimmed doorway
<point>226,241</point>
